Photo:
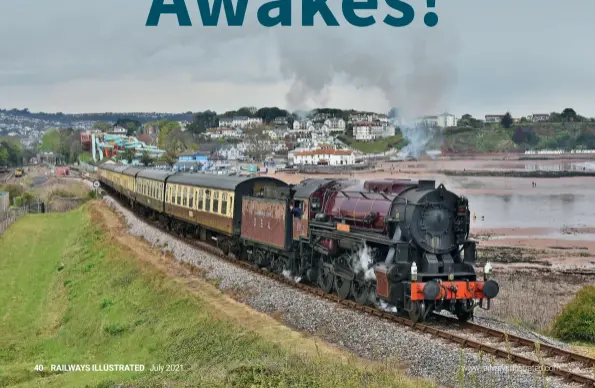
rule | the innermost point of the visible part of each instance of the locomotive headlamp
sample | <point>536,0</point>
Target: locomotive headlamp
<point>487,270</point>
<point>413,271</point>
<point>431,290</point>
<point>451,276</point>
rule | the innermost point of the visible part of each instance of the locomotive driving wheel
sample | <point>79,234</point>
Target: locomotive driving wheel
<point>417,311</point>
<point>361,290</point>
<point>342,287</point>
<point>325,279</point>
<point>279,264</point>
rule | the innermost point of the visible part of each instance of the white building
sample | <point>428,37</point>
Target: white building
<point>539,117</point>
<point>493,118</point>
<point>118,130</point>
<point>239,122</point>
<point>232,153</point>
<point>184,125</point>
<point>446,120</point>
<point>229,133</point>
<point>301,124</point>
<point>372,131</point>
<point>325,156</point>
<point>335,124</point>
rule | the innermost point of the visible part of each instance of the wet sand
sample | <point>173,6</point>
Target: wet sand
<point>556,218</point>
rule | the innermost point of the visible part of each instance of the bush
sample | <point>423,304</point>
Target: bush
<point>577,320</point>
<point>92,194</point>
<point>13,191</point>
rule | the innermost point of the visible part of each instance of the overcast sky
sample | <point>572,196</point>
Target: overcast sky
<point>484,57</point>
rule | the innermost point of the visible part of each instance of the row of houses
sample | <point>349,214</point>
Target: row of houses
<point>239,122</point>
<point>322,156</point>
<point>534,118</point>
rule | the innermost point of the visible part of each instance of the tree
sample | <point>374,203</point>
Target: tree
<point>468,121</point>
<point>268,114</point>
<point>146,159</point>
<point>568,114</point>
<point>202,121</point>
<point>102,126</point>
<point>50,142</point>
<point>129,155</point>
<point>506,121</point>
<point>170,158</point>
<point>11,152</point>
<point>132,126</point>
<point>3,155</point>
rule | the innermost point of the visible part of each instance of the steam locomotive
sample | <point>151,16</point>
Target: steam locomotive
<point>399,242</point>
<point>393,243</point>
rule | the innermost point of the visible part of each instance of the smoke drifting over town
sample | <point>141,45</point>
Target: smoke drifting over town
<point>415,75</point>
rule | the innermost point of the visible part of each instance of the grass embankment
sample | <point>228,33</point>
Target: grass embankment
<point>107,305</point>
<point>520,136</point>
<point>376,146</point>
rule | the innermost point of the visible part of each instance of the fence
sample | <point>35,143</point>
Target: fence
<point>87,167</point>
<point>11,216</point>
<point>4,202</point>
<point>57,205</point>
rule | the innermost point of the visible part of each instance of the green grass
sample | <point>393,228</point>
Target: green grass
<point>377,146</point>
<point>103,306</point>
<point>495,138</point>
<point>86,157</point>
<point>577,320</point>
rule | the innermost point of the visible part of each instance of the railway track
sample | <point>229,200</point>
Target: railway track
<point>6,177</point>
<point>572,367</point>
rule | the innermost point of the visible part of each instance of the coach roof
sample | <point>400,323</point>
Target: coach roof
<point>157,175</point>
<point>216,181</point>
<point>207,180</point>
<point>132,171</point>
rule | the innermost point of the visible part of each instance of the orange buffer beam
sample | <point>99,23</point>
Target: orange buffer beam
<point>447,291</point>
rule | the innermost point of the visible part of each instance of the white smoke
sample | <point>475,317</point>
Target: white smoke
<point>389,308</point>
<point>362,262</point>
<point>287,274</point>
<point>417,134</point>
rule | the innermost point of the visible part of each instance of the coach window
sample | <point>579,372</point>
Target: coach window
<point>184,196</point>
<point>201,194</point>
<point>224,203</point>
<point>208,200</point>
<point>231,205</point>
<point>191,200</point>
<point>215,202</point>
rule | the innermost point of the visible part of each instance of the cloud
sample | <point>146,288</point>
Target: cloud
<point>483,56</point>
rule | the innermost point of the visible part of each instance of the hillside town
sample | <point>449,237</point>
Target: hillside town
<point>201,141</point>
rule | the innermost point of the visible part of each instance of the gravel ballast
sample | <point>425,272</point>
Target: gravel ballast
<point>363,334</point>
